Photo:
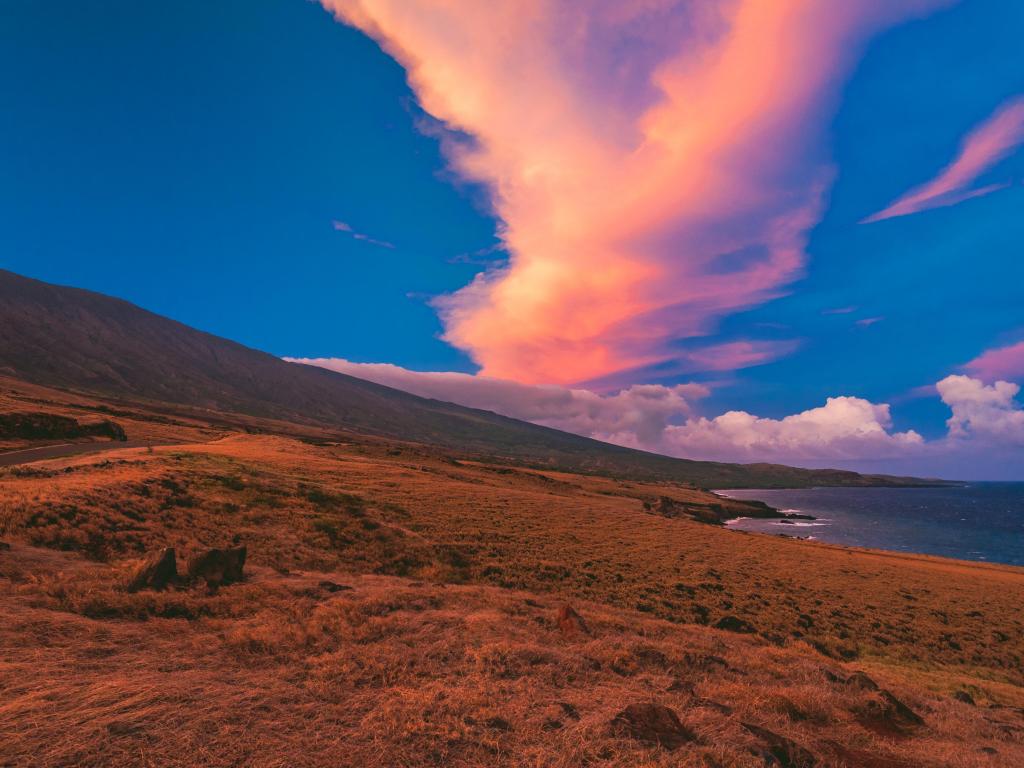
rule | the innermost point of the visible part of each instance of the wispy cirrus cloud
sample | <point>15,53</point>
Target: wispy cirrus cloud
<point>655,164</point>
<point>983,147</point>
<point>341,226</point>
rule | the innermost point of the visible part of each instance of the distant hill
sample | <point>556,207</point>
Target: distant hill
<point>85,341</point>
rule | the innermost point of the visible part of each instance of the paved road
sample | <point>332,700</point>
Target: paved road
<point>28,455</point>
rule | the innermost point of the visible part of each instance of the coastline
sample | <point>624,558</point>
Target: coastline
<point>981,522</point>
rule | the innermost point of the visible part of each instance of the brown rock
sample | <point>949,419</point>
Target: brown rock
<point>733,624</point>
<point>780,750</point>
<point>570,623</point>
<point>218,566</point>
<point>155,572</point>
<point>652,723</point>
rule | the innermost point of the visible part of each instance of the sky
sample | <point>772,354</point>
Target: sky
<point>747,230</point>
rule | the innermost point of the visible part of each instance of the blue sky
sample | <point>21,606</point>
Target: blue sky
<point>213,162</point>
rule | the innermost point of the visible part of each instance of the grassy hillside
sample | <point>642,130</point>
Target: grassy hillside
<point>402,607</point>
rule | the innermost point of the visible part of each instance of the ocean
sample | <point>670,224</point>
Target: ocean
<point>978,521</point>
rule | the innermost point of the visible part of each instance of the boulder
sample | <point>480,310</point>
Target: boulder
<point>217,566</point>
<point>780,751</point>
<point>571,624</point>
<point>652,723</point>
<point>861,682</point>
<point>157,571</point>
<point>886,715</point>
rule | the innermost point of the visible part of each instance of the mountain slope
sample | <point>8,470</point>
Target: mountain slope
<point>77,339</point>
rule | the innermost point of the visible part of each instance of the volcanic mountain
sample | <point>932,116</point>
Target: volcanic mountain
<point>86,342</point>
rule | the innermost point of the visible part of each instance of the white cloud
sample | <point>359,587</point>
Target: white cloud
<point>843,428</point>
<point>637,414</point>
<point>982,412</point>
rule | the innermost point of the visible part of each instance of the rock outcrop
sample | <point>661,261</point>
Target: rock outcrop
<point>158,571</point>
<point>50,426</point>
<point>217,567</point>
<point>780,751</point>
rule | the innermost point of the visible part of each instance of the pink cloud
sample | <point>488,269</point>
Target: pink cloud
<point>983,147</point>
<point>631,147</point>
<point>733,355</point>
<point>865,322</point>
<point>1000,363</point>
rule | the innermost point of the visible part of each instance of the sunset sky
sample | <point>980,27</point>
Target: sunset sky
<point>745,230</point>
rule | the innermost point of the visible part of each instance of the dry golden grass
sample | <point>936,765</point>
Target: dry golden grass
<point>446,650</point>
<point>394,672</point>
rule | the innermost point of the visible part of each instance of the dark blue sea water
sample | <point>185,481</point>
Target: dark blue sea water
<point>980,521</point>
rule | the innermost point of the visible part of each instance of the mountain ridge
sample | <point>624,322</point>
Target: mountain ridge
<point>82,340</point>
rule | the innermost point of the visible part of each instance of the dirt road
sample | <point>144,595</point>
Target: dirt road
<point>28,455</point>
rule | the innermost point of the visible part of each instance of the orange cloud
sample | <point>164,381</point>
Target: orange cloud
<point>981,149</point>
<point>635,150</point>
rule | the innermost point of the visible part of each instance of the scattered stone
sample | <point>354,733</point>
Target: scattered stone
<point>965,697</point>
<point>652,723</point>
<point>781,751</point>
<point>570,711</point>
<point>861,682</point>
<point>218,566</point>
<point>570,623</point>
<point>331,586</point>
<point>682,686</point>
<point>733,624</point>
<point>157,571</point>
